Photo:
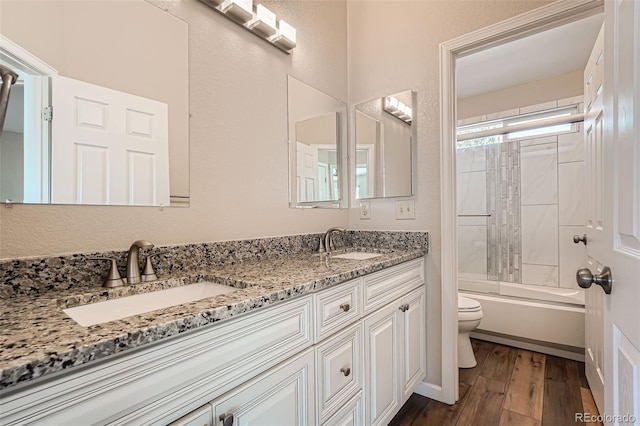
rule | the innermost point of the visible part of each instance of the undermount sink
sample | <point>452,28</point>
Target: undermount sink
<point>357,255</point>
<point>115,309</point>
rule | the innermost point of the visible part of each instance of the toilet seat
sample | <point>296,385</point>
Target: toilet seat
<point>468,305</point>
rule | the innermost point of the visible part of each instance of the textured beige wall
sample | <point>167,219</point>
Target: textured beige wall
<point>238,133</point>
<point>533,93</point>
<point>393,46</point>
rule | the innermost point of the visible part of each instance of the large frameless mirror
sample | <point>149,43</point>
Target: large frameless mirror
<point>100,112</point>
<point>317,134</point>
<point>383,146</point>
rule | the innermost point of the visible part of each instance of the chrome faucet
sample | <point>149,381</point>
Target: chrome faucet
<point>133,261</point>
<point>325,242</point>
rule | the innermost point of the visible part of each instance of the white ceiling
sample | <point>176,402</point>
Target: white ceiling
<point>553,52</point>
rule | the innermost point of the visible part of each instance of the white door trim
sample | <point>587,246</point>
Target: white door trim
<point>544,18</point>
<point>35,73</point>
<point>17,56</point>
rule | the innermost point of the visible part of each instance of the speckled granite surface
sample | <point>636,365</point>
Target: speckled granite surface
<point>34,276</point>
<point>38,339</point>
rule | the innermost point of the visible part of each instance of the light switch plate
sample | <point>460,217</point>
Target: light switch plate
<point>405,210</point>
<point>365,210</point>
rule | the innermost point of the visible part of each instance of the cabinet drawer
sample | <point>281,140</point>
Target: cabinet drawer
<point>339,370</point>
<point>389,284</point>
<point>336,308</point>
<point>281,396</point>
<point>351,414</point>
<point>200,417</point>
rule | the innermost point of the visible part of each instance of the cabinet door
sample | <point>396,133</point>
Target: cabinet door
<point>283,396</point>
<point>382,364</point>
<point>414,338</point>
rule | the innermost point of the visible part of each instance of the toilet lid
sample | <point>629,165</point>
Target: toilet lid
<point>466,304</point>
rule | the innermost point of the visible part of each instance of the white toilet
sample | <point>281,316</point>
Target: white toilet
<point>469,316</point>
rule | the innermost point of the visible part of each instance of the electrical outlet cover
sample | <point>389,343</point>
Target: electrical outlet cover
<point>365,210</point>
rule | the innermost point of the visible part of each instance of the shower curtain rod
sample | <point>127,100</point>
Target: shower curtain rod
<point>8,78</point>
<point>545,122</point>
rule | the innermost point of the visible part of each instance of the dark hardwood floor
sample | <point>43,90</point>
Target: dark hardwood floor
<point>508,387</point>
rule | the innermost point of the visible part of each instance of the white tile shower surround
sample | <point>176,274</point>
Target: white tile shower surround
<point>540,235</point>
<point>471,159</point>
<point>566,257</point>
<point>539,174</point>
<point>572,101</point>
<point>540,275</point>
<point>572,256</point>
<point>472,221</point>
<point>472,251</point>
<point>539,141</point>
<point>503,114</point>
<point>571,146</point>
<point>472,120</point>
<point>571,187</point>
<point>538,107</point>
<point>472,196</point>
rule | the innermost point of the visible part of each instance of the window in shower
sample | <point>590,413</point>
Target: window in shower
<point>496,131</point>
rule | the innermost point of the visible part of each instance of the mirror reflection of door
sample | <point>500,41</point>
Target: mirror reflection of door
<point>327,173</point>
<point>383,134</point>
<point>369,136</point>
<point>307,176</point>
<point>317,139</point>
<point>108,147</point>
<point>317,158</point>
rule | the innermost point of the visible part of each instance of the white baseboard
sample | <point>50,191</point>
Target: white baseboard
<point>429,390</point>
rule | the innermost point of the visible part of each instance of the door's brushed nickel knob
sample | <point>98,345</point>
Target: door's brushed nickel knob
<point>578,239</point>
<point>585,278</point>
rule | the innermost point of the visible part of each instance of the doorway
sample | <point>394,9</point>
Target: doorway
<point>537,21</point>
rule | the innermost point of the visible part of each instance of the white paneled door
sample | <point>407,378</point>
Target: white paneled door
<point>594,296</point>
<point>613,222</point>
<point>108,147</point>
<point>307,181</point>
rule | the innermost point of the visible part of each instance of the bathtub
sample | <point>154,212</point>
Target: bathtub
<point>544,319</point>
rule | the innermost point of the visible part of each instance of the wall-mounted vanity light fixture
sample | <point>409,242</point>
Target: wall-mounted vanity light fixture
<point>262,22</point>
<point>398,109</point>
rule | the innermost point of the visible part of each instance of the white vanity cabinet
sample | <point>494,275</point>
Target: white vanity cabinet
<point>395,355</point>
<point>162,382</point>
<point>347,355</point>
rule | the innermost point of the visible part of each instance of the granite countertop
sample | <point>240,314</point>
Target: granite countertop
<point>38,338</point>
